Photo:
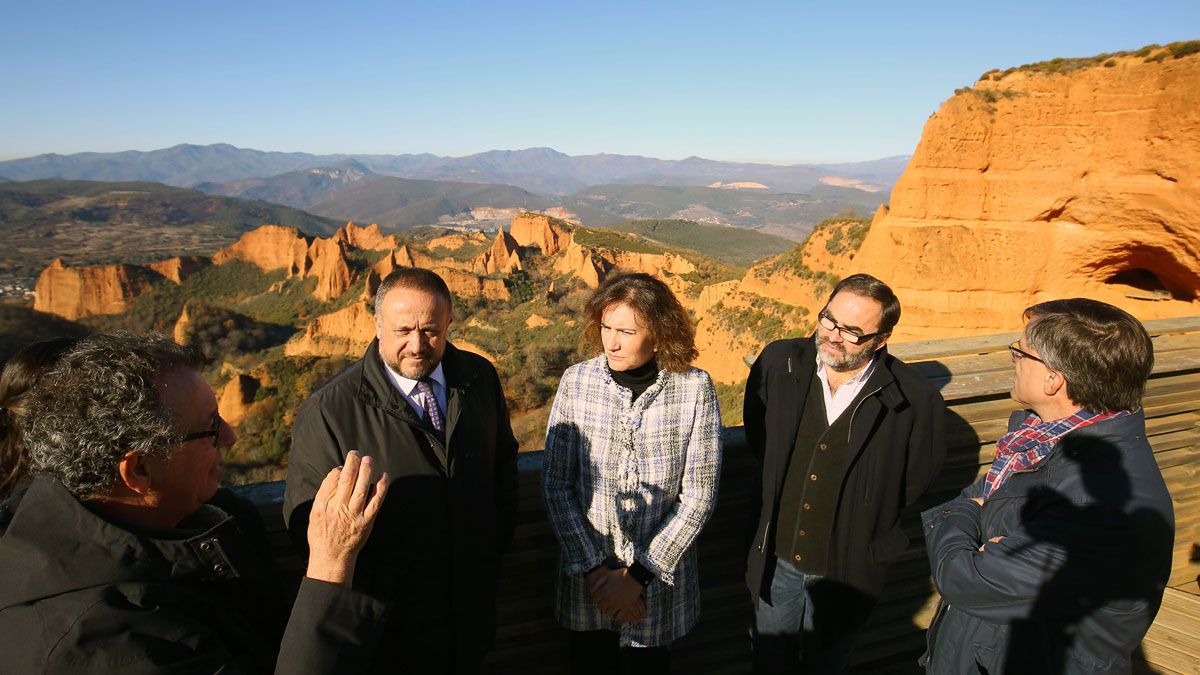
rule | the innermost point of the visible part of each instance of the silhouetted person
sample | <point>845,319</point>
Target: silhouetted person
<point>847,437</point>
<point>1056,560</point>
<point>632,462</point>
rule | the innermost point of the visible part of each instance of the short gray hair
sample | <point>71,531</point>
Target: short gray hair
<point>99,402</point>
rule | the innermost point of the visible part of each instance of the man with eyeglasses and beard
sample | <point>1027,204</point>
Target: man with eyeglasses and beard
<point>846,436</point>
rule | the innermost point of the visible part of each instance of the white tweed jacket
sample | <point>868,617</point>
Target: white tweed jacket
<point>633,481</point>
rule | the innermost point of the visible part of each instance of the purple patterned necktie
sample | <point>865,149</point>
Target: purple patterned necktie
<point>432,413</point>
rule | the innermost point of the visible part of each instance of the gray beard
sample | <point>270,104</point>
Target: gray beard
<point>846,362</point>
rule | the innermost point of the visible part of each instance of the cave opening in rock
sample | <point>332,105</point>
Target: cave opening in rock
<point>1144,283</point>
<point>1138,277</point>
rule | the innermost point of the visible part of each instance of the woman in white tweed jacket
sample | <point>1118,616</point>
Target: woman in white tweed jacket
<point>632,460</point>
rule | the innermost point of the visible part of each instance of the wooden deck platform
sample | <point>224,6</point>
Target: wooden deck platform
<point>974,375</point>
<point>1173,643</point>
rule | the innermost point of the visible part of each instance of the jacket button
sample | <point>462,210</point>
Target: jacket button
<point>824,447</point>
<point>802,533</point>
<point>799,558</point>
<point>813,477</point>
<point>807,506</point>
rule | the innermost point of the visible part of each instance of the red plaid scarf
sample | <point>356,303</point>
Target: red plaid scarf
<point>1029,444</point>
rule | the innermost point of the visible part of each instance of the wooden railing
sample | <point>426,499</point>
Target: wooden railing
<point>974,375</point>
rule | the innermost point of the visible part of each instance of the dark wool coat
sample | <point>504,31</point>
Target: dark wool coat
<point>82,594</point>
<point>1080,573</point>
<point>448,516</point>
<point>896,442</point>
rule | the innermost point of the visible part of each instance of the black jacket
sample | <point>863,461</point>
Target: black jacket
<point>1079,575</point>
<point>82,594</point>
<point>897,443</point>
<point>449,513</point>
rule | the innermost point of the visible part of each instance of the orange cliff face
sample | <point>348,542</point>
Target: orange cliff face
<point>76,292</point>
<point>327,262</point>
<point>270,247</point>
<point>535,229</point>
<point>1036,186</point>
<point>178,269</point>
<point>368,238</point>
<point>346,332</point>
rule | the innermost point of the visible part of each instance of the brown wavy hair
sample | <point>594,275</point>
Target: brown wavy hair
<point>656,308</point>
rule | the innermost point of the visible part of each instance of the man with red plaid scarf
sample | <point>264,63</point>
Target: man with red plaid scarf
<point>1055,561</point>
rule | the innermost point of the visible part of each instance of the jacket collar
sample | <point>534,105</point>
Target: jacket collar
<point>56,544</point>
<point>882,384</point>
<point>376,389</point>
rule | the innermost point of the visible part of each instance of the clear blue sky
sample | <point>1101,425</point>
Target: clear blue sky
<point>739,80</point>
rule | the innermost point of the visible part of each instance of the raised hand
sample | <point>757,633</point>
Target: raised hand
<point>342,515</point>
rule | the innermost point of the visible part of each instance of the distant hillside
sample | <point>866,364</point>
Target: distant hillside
<point>540,170</point>
<point>401,203</point>
<point>788,215</point>
<point>299,189</point>
<point>180,165</point>
<point>95,222</point>
<point>735,246</point>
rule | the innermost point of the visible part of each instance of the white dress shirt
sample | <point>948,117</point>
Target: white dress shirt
<point>837,402</point>
<point>416,400</point>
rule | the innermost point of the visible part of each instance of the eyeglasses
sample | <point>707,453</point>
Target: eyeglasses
<point>215,432</point>
<point>850,335</point>
<point>1017,353</point>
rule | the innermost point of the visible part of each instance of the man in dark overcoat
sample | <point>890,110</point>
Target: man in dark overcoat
<point>847,437</point>
<point>435,419</point>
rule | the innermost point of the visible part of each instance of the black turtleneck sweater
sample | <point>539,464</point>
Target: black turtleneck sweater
<point>637,379</point>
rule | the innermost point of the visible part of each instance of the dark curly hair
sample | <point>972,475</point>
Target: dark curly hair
<point>20,373</point>
<point>98,403</point>
<point>656,307</point>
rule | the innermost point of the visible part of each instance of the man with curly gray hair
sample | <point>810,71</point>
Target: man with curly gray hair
<point>112,558</point>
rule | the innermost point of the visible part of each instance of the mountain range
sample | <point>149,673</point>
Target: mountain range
<point>542,171</point>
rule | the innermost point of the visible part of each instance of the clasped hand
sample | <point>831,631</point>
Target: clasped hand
<point>342,515</point>
<point>617,594</point>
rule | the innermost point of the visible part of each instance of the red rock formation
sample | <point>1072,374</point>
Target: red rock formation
<point>469,285</point>
<point>75,292</point>
<point>367,238</point>
<point>582,262</point>
<point>534,229</point>
<point>591,265</point>
<point>270,247</point>
<point>500,257</point>
<point>371,285</point>
<point>327,262</point>
<point>237,397</point>
<point>1034,186</point>
<point>178,269</point>
<point>181,332</point>
<point>346,332</point>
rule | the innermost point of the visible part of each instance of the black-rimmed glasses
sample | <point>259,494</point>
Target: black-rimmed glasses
<point>850,335</point>
<point>1017,353</point>
<point>215,432</point>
